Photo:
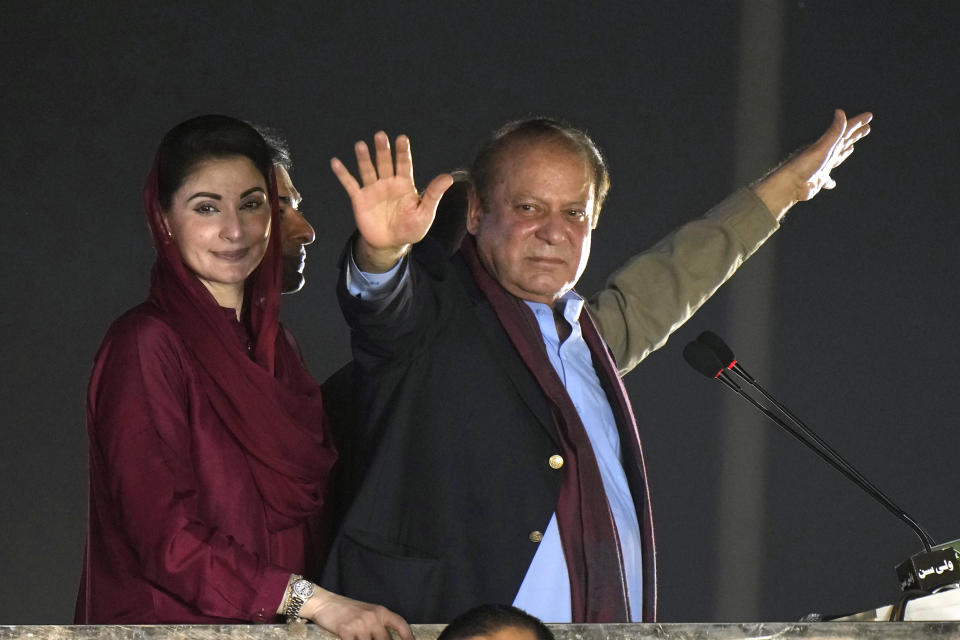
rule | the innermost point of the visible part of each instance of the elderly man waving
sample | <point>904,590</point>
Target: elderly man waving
<point>498,459</point>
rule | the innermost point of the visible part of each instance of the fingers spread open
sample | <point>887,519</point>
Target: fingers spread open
<point>368,174</point>
<point>349,183</point>
<point>384,159</point>
<point>435,190</point>
<point>404,158</point>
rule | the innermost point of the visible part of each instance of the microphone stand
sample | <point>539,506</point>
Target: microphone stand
<point>928,570</point>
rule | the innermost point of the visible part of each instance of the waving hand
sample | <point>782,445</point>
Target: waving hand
<point>803,175</point>
<point>390,215</point>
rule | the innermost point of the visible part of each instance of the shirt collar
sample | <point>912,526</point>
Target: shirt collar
<point>569,304</point>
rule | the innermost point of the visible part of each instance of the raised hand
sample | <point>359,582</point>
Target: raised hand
<point>390,215</point>
<point>806,172</point>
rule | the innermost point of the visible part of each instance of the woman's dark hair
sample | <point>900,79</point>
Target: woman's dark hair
<point>483,173</point>
<point>487,619</point>
<point>203,138</point>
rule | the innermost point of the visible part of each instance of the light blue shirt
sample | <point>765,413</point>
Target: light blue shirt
<point>545,590</point>
<point>375,286</point>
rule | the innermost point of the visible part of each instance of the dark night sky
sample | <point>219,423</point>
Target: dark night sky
<point>864,284</point>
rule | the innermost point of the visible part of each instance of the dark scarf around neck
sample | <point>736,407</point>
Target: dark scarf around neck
<point>588,531</point>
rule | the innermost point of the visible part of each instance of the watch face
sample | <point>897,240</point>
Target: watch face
<point>303,588</point>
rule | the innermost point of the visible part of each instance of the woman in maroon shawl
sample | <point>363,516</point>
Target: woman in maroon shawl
<point>209,452</point>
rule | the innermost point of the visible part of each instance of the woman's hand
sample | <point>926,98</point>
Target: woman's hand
<point>352,619</point>
<point>391,216</point>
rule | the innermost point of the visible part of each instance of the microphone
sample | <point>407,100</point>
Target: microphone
<point>720,349</point>
<point>702,358</point>
<point>723,353</point>
<point>711,356</point>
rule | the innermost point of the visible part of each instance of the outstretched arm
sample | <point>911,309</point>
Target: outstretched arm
<point>658,290</point>
<point>802,175</point>
<point>391,216</point>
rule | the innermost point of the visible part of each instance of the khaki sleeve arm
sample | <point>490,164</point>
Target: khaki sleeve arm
<point>658,290</point>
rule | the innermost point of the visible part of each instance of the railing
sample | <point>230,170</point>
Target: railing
<point>665,631</point>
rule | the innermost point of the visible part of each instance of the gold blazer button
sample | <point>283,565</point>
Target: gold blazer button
<point>535,536</point>
<point>556,461</point>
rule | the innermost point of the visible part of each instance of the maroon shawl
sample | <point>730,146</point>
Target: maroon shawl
<point>588,532</point>
<point>269,402</point>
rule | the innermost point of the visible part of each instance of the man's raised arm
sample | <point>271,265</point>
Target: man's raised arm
<point>655,292</point>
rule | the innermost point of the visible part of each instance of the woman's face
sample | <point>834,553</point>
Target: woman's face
<point>219,219</point>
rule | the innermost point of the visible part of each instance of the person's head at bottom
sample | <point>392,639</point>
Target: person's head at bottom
<point>496,622</point>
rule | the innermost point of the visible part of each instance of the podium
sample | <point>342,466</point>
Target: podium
<point>944,605</point>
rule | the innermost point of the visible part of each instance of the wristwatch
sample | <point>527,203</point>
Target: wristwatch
<point>300,591</point>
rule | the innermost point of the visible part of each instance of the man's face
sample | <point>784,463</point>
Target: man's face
<point>295,232</point>
<point>535,236</point>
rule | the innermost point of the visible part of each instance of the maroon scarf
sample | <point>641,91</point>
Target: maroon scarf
<point>588,531</point>
<point>270,403</point>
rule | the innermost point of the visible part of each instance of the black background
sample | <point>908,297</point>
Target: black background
<point>860,336</point>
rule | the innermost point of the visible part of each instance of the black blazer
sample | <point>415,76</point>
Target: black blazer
<point>448,465</point>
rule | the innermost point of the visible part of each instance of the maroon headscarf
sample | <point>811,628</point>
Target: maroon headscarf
<point>269,402</point>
